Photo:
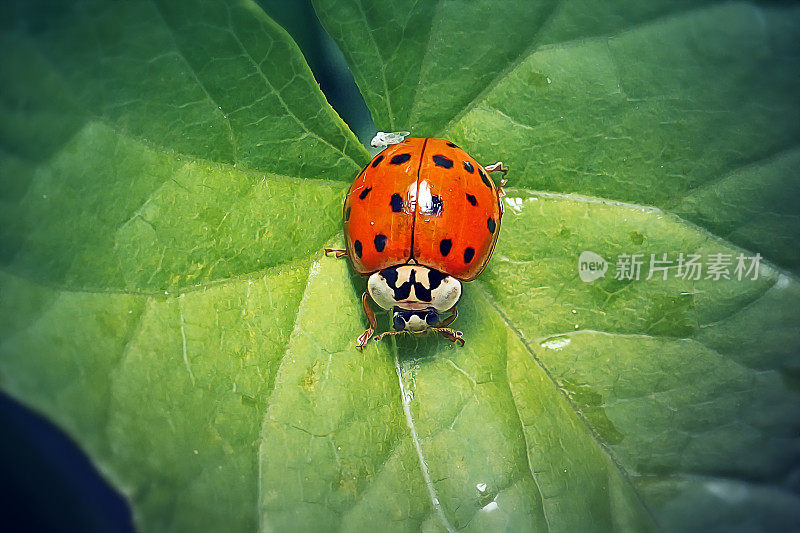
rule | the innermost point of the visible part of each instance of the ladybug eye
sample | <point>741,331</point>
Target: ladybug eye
<point>398,322</point>
<point>432,318</point>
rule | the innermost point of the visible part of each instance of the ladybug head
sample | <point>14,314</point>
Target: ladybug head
<point>414,321</point>
<point>415,294</point>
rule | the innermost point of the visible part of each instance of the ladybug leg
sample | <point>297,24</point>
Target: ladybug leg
<point>386,333</point>
<point>449,320</point>
<point>500,191</point>
<point>335,252</point>
<point>450,334</point>
<point>497,167</point>
<point>362,340</point>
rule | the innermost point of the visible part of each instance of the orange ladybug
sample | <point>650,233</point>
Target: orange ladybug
<point>419,219</point>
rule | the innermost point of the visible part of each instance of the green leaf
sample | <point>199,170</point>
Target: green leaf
<point>654,103</point>
<point>171,171</point>
<point>680,380</point>
<point>454,447</point>
<point>167,404</point>
<point>163,71</point>
<point>133,188</point>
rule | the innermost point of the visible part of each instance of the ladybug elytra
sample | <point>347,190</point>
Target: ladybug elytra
<point>419,219</point>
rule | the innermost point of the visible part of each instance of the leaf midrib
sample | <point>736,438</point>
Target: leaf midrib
<point>578,413</point>
<point>421,462</point>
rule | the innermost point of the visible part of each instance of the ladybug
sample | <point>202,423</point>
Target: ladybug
<point>419,219</point>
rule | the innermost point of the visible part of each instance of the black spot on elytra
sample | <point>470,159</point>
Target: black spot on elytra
<point>468,167</point>
<point>380,242</point>
<point>377,161</point>
<point>364,193</point>
<point>347,214</point>
<point>396,203</point>
<point>471,199</point>
<point>445,246</point>
<point>436,205</point>
<point>469,253</point>
<point>490,223</point>
<point>400,159</point>
<point>442,161</point>
<point>357,247</point>
<point>451,145</point>
<point>485,178</point>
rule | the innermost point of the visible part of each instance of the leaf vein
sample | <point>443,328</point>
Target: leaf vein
<point>578,413</point>
<point>437,506</point>
<point>279,97</point>
<point>219,110</point>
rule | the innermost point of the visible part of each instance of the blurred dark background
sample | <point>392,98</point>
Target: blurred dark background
<point>47,483</point>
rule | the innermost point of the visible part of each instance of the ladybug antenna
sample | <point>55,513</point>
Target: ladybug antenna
<point>450,334</point>
<point>500,191</point>
<point>385,333</point>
